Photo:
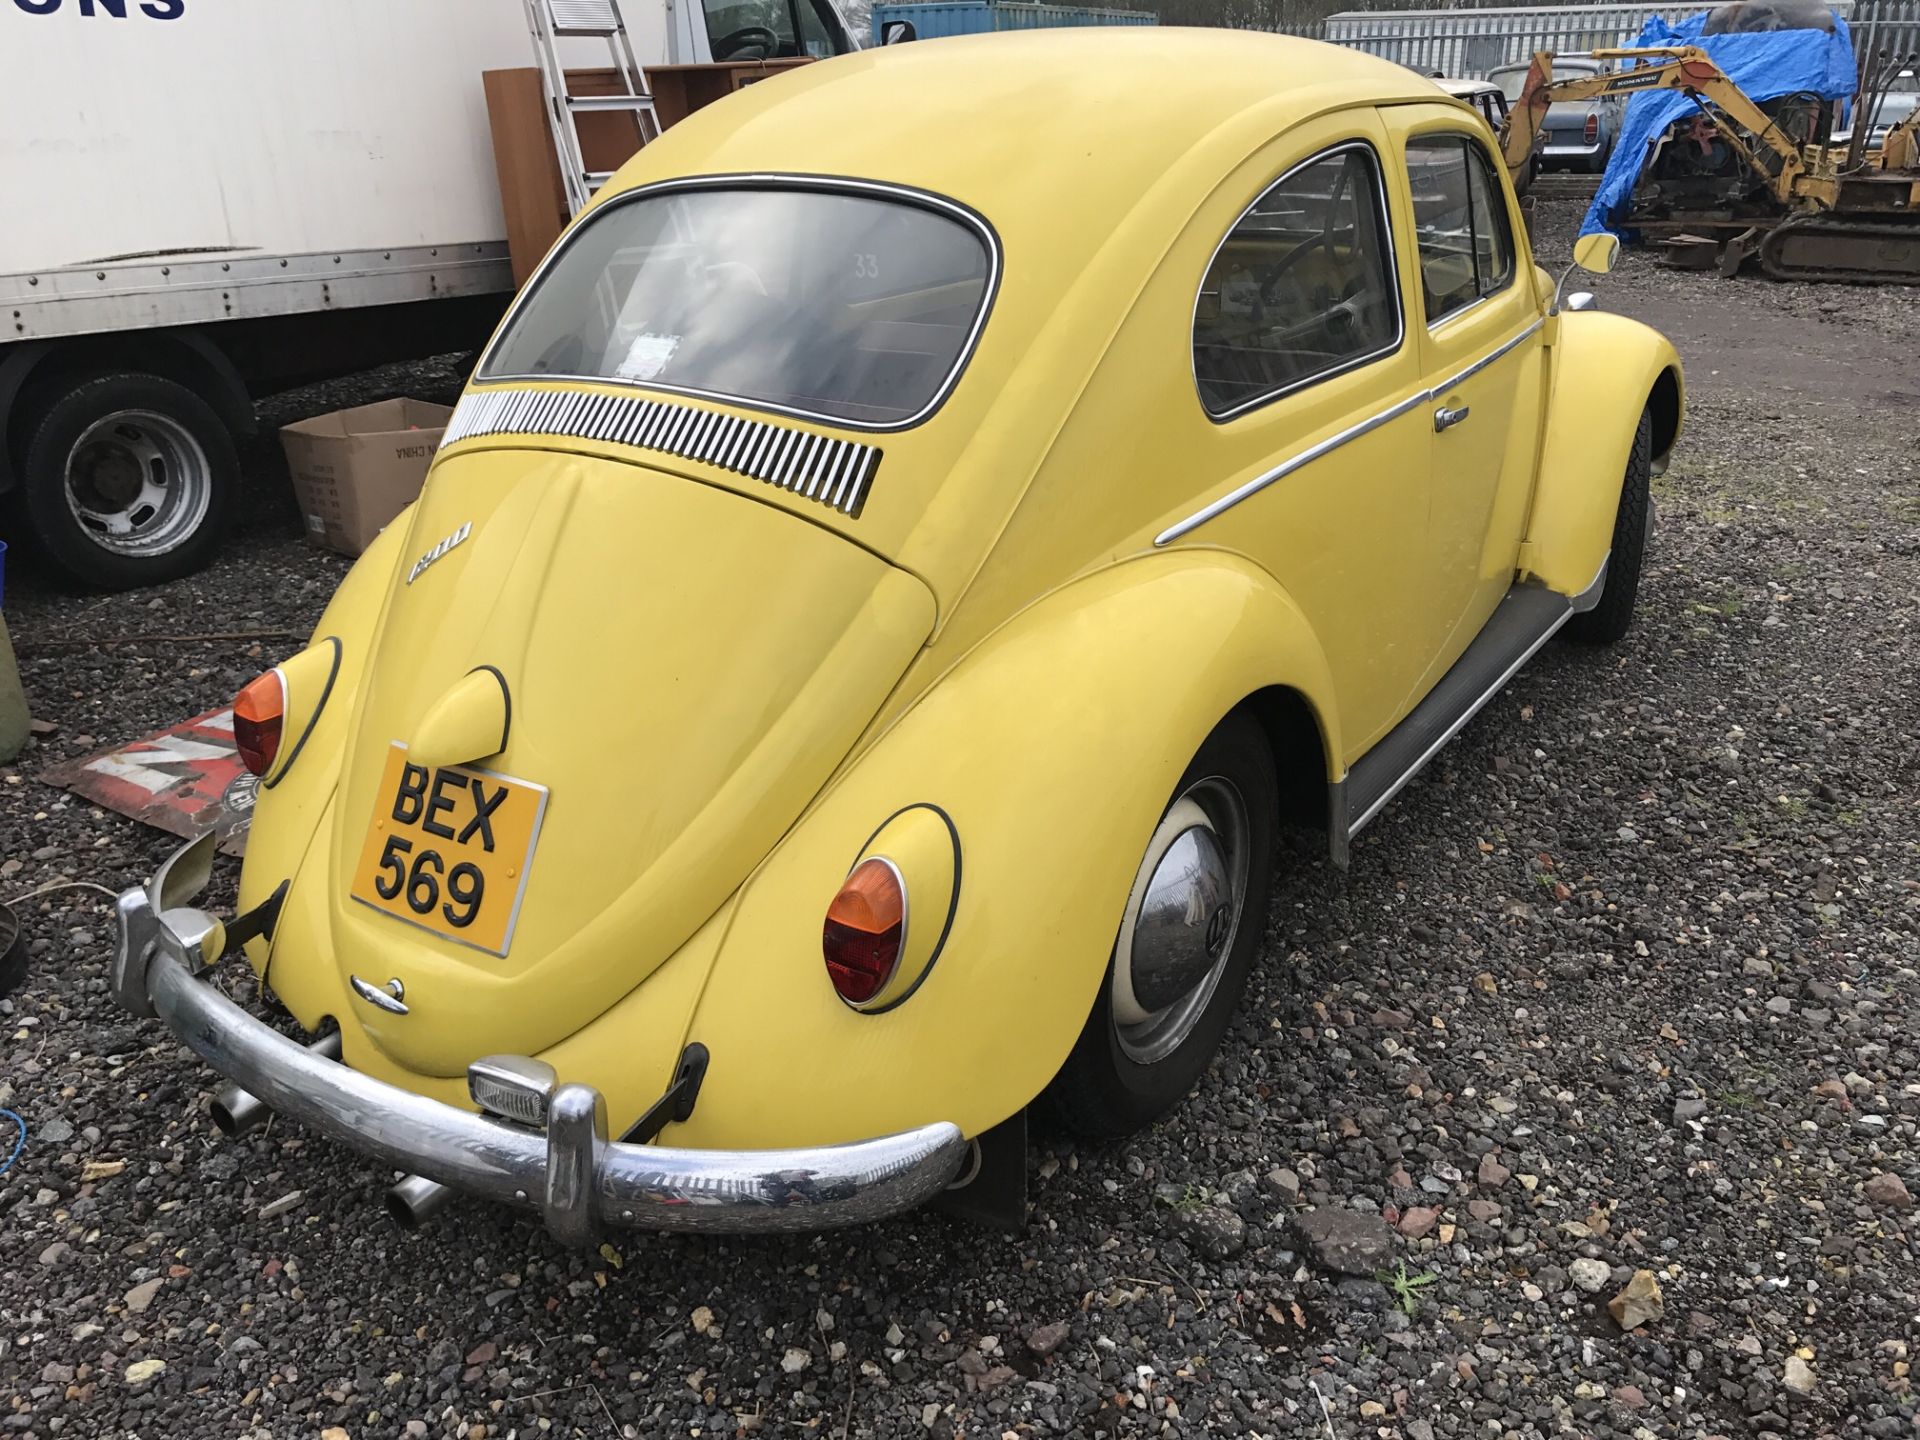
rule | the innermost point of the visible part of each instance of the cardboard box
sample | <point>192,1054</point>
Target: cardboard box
<point>354,470</point>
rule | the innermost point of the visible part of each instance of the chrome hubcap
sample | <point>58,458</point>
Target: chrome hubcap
<point>1181,921</point>
<point>138,483</point>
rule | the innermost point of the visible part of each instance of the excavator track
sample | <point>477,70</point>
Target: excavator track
<point>1830,247</point>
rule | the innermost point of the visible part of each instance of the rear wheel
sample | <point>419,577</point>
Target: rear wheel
<point>129,480</point>
<point>1194,920</point>
<point>1611,618</point>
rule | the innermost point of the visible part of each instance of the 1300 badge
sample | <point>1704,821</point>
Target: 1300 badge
<point>448,850</point>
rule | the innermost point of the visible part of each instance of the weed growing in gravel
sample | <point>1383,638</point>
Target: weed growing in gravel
<point>1406,1287</point>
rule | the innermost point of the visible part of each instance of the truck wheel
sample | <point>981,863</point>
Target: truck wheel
<point>129,480</point>
<point>1194,920</point>
<point>1612,617</point>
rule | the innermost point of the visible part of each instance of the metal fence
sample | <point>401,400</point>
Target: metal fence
<point>1470,42</point>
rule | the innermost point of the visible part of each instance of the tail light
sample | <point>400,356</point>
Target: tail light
<point>259,713</point>
<point>865,930</point>
<point>1593,129</point>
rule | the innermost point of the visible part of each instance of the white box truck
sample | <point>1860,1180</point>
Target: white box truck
<point>202,201</point>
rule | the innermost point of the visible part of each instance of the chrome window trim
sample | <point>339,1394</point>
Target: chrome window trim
<point>1385,216</point>
<point>1333,442</point>
<point>765,180</point>
<point>1513,248</point>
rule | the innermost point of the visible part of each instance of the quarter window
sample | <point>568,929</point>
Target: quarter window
<point>1460,220</point>
<point>1302,287</point>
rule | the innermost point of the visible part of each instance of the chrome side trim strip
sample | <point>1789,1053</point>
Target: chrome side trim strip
<point>1286,467</point>
<point>1334,442</point>
<point>1458,723</point>
<point>836,473</point>
<point>1489,358</point>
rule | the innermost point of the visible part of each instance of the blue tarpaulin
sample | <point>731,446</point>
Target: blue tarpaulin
<point>1766,65</point>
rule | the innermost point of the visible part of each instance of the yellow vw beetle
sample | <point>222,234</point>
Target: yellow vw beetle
<point>901,557</point>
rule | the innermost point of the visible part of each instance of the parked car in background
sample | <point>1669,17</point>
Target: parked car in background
<point>1491,101</point>
<point>1577,134</point>
<point>996,556</point>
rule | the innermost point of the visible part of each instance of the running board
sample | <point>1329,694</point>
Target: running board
<point>1522,622</point>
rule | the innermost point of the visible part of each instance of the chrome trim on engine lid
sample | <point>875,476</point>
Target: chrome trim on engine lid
<point>837,473</point>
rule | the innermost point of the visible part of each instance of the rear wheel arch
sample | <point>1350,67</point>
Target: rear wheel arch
<point>1299,744</point>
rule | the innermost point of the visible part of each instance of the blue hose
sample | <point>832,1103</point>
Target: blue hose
<point>19,1140</point>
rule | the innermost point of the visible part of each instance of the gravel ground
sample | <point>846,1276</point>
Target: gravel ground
<point>1625,983</point>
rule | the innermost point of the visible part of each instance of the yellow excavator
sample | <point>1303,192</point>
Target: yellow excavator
<point>1745,180</point>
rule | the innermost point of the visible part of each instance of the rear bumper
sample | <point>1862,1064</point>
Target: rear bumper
<point>579,1180</point>
<point>1557,154</point>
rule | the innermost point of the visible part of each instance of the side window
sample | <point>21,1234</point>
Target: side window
<point>750,29</point>
<point>1301,287</point>
<point>1460,220</point>
<point>816,39</point>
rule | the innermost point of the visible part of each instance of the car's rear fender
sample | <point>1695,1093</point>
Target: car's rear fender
<point>1606,370</point>
<point>281,832</point>
<point>1053,747</point>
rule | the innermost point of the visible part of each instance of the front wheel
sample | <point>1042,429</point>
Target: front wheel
<point>1612,616</point>
<point>1194,920</point>
<point>129,480</point>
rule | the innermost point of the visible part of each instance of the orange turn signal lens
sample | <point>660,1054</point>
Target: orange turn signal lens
<point>259,712</point>
<point>865,930</point>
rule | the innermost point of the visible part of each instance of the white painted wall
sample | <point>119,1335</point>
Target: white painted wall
<point>281,126</point>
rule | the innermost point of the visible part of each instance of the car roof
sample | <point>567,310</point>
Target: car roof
<point>998,121</point>
<point>1461,89</point>
<point>1087,150</point>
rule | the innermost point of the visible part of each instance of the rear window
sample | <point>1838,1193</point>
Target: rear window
<point>853,307</point>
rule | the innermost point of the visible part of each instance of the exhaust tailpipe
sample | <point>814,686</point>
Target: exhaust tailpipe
<point>413,1202</point>
<point>236,1111</point>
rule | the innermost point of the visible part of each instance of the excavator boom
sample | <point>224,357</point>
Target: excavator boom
<point>1823,221</point>
<point>1663,67</point>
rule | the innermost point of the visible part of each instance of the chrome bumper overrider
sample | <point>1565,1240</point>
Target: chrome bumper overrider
<point>578,1179</point>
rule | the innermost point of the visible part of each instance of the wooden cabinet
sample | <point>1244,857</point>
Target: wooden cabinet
<point>531,191</point>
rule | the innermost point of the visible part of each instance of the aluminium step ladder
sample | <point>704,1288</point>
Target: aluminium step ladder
<point>555,20</point>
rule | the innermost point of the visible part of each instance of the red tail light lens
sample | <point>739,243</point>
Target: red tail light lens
<point>1593,128</point>
<point>866,927</point>
<point>258,714</point>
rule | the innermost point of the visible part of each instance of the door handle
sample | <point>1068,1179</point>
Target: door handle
<point>1445,419</point>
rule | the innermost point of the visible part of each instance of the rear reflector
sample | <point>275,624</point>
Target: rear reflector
<point>865,929</point>
<point>259,711</point>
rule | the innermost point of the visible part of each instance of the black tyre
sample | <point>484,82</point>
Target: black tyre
<point>1612,617</point>
<point>1194,921</point>
<point>129,480</point>
<point>13,952</point>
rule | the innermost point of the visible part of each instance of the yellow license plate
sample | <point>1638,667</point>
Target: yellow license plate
<point>448,850</point>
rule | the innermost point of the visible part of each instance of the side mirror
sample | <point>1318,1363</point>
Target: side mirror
<point>897,32</point>
<point>1596,252</point>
